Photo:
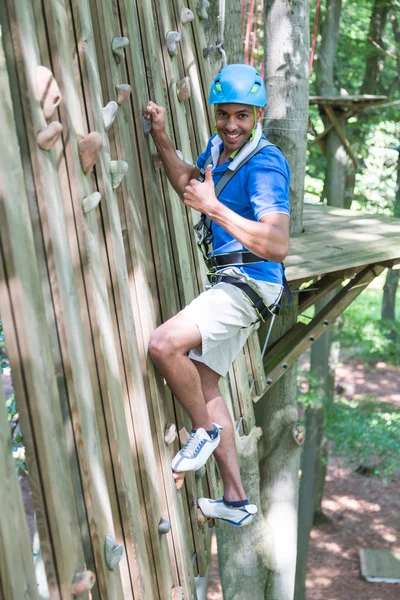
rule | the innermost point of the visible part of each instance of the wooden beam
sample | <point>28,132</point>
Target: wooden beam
<point>347,146</point>
<point>288,349</point>
<point>16,560</point>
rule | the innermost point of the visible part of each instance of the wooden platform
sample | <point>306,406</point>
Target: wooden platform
<point>350,102</point>
<point>336,240</point>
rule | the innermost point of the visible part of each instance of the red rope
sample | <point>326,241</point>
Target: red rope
<point>314,37</point>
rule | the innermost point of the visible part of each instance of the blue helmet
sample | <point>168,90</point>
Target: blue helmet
<point>238,84</point>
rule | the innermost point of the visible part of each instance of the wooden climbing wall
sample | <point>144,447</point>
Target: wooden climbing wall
<point>89,266</point>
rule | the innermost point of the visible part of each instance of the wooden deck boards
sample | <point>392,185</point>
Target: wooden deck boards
<point>337,239</point>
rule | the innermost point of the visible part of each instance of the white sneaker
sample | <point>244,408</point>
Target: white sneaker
<point>217,509</point>
<point>196,451</point>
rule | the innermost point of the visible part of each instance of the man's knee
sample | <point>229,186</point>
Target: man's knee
<point>163,344</point>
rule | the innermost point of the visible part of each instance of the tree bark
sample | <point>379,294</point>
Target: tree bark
<point>269,544</point>
<point>376,57</point>
<point>286,65</point>
<point>392,277</point>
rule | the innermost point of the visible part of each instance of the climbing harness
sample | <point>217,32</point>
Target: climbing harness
<point>214,262</point>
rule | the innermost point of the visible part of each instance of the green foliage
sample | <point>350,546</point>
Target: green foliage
<point>16,435</point>
<point>364,334</point>
<point>365,429</point>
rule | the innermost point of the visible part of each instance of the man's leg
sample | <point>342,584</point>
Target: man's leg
<point>225,454</point>
<point>168,347</point>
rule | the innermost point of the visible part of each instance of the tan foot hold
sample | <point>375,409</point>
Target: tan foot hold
<point>179,479</point>
<point>201,518</point>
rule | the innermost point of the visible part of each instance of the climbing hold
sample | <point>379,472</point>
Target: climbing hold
<point>48,91</point>
<point>170,431</point>
<point>269,381</point>
<point>113,552</point>
<point>119,169</point>
<point>179,478</point>
<point>183,436</point>
<point>124,91</point>
<point>89,150</point>
<point>82,582</point>
<point>117,45</point>
<point>200,472</point>
<point>299,434</point>
<point>157,164</point>
<point>325,323</point>
<point>90,202</point>
<point>311,338</point>
<point>172,38</point>
<point>177,593</point>
<point>284,365</point>
<point>207,51</point>
<point>146,125</point>
<point>186,15</point>
<point>183,89</point>
<point>202,9</point>
<point>164,526</point>
<point>201,519</point>
<point>48,136</point>
<point>109,113</point>
<point>179,154</point>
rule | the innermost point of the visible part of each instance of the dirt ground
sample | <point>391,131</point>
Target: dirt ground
<point>364,511</point>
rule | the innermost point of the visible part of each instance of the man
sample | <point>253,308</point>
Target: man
<point>250,233</point>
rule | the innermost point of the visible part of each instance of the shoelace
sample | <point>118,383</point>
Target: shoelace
<point>191,446</point>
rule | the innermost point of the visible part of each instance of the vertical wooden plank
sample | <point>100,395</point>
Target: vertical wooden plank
<point>243,392</point>
<point>16,562</point>
<point>254,352</point>
<point>40,413</point>
<point>83,410</point>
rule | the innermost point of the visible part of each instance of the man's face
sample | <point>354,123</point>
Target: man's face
<point>235,123</point>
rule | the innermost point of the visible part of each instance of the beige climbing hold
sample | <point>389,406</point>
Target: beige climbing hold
<point>179,478</point>
<point>164,526</point>
<point>90,202</point>
<point>187,15</point>
<point>109,113</point>
<point>117,45</point>
<point>113,552</point>
<point>202,9</point>
<point>299,433</point>
<point>89,150</point>
<point>124,90</point>
<point>183,436</point>
<point>48,136</point>
<point>170,432</point>
<point>177,593</point>
<point>201,519</point>
<point>172,38</point>
<point>82,582</point>
<point>183,89</point>
<point>48,91</point>
<point>157,163</point>
<point>119,169</point>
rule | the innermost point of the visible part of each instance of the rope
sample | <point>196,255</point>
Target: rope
<point>314,37</point>
<point>221,29</point>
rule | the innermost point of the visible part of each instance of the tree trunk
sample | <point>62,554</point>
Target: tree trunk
<point>286,63</point>
<point>392,277</point>
<point>269,544</point>
<point>376,56</point>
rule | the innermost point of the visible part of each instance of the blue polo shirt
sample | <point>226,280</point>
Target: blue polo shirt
<point>259,188</point>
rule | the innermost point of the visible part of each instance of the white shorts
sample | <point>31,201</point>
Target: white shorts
<point>225,318</point>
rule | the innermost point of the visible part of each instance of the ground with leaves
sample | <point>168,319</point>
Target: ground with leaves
<point>363,510</point>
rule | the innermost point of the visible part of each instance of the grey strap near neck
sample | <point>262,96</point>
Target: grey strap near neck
<point>229,173</point>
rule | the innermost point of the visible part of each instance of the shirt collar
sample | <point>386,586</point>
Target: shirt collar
<point>216,147</point>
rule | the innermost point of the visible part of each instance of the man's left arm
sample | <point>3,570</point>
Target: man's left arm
<point>267,238</point>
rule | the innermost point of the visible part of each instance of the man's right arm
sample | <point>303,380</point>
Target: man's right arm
<point>178,172</point>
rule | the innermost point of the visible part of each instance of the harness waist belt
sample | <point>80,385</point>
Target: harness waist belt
<point>265,312</point>
<point>216,261</point>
